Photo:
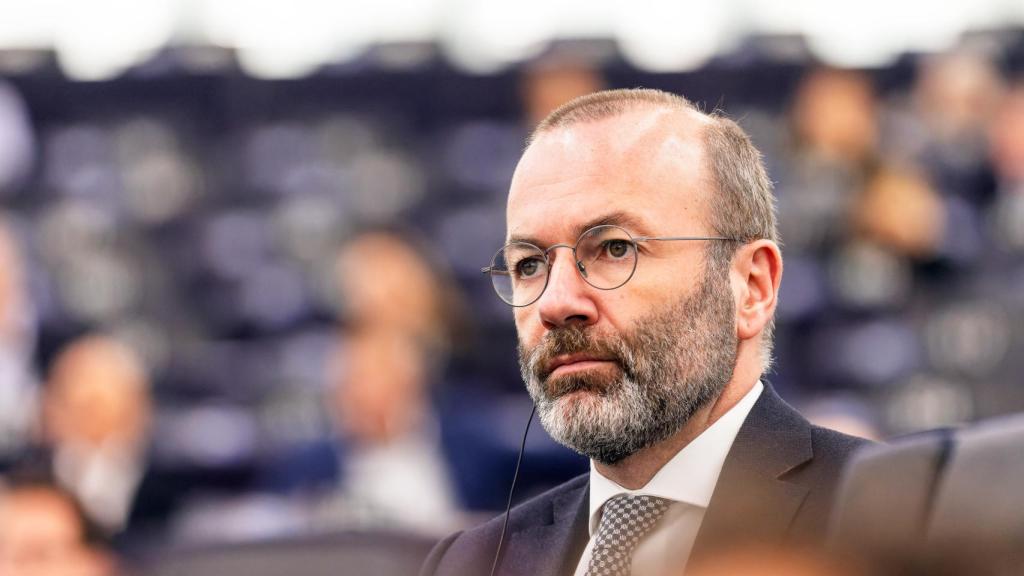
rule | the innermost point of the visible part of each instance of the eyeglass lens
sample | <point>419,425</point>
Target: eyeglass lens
<point>605,259</point>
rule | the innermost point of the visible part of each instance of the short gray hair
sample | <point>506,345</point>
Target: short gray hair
<point>745,206</point>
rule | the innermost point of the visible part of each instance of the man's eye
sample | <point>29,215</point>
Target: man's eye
<point>617,248</point>
<point>527,267</point>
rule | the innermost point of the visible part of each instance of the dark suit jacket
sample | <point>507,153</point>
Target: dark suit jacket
<point>777,483</point>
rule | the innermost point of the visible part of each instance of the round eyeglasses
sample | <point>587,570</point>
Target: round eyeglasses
<point>605,257</point>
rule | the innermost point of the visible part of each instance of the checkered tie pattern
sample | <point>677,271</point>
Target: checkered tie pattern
<point>625,520</point>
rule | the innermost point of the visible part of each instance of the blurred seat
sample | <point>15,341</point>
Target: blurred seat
<point>940,492</point>
<point>343,554</point>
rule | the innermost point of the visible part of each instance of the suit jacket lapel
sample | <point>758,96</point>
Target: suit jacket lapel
<point>554,546</point>
<point>751,500</point>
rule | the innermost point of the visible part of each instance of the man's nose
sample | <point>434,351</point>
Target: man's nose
<point>568,299</point>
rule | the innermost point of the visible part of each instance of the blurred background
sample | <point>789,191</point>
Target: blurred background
<point>240,298</point>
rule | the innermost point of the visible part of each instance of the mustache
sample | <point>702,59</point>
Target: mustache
<point>571,340</point>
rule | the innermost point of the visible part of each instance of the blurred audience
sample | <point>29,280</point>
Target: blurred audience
<point>95,425</point>
<point>1006,135</point>
<point>551,82</point>
<point>43,532</point>
<point>834,127</point>
<point>942,128</point>
<point>383,465</point>
<point>18,387</point>
<point>899,210</point>
<point>298,387</point>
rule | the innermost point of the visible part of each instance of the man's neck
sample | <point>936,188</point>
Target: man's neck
<point>636,470</point>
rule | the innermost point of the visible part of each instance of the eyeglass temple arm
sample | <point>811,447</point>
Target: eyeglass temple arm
<point>493,270</point>
<point>648,238</point>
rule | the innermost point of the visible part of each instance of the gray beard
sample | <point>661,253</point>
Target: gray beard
<point>670,366</point>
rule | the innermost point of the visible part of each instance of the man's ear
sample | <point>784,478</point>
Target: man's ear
<point>757,273</point>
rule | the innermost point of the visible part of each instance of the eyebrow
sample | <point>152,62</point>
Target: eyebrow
<point>618,218</point>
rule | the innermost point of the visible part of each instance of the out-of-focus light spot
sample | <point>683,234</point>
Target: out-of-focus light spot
<point>309,227</point>
<point>160,187</point>
<point>71,227</point>
<point>149,339</point>
<point>1008,218</point>
<point>384,184</point>
<point>852,34</point>
<point>485,37</point>
<point>272,152</point>
<point>927,402</point>
<point>28,24</point>
<point>404,20</point>
<point>160,183</point>
<point>235,243</point>
<point>79,162</point>
<point>98,40</point>
<point>803,289</point>
<point>865,276</point>
<point>344,137</point>
<point>969,339</point>
<point>671,36</point>
<point>306,356</point>
<point>483,155</point>
<point>250,518</point>
<point>98,286</point>
<point>289,39</point>
<point>273,295</point>
<point>878,352</point>
<point>471,236</point>
<point>211,436</point>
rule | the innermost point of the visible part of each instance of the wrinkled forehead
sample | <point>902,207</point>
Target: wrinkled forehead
<point>646,161</point>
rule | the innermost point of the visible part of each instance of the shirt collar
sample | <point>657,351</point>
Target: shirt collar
<point>690,476</point>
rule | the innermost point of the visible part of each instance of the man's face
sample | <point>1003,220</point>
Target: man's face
<point>615,371</point>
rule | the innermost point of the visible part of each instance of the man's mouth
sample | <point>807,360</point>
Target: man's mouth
<point>565,364</point>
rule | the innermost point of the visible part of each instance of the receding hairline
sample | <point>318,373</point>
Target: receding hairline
<point>609,104</point>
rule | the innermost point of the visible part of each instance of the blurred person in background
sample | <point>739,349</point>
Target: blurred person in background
<point>1006,142</point>
<point>942,128</point>
<point>843,187</point>
<point>44,532</point>
<point>834,148</point>
<point>389,282</point>
<point>644,354</point>
<point>384,467</point>
<point>1006,145</point>
<point>551,82</point>
<point>96,411</point>
<point>18,386</point>
<point>898,210</point>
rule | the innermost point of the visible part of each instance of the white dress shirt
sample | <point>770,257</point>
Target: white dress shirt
<point>688,480</point>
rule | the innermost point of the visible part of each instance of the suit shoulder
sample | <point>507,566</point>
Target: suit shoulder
<point>829,443</point>
<point>536,509</point>
<point>833,451</point>
<point>472,550</point>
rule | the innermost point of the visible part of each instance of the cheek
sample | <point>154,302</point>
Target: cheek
<point>528,326</point>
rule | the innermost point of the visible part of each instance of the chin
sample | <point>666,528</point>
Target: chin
<point>570,404</point>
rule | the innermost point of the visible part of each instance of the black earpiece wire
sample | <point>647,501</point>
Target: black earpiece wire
<point>511,491</point>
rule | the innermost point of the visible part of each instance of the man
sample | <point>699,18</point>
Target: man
<point>644,351</point>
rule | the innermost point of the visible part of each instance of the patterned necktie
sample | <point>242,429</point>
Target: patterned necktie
<point>625,520</point>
